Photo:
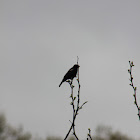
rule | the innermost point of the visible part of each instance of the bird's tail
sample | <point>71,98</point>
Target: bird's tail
<point>60,83</point>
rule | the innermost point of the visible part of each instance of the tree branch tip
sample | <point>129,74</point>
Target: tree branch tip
<point>85,102</point>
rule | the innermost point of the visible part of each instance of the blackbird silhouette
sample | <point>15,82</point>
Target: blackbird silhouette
<point>70,74</point>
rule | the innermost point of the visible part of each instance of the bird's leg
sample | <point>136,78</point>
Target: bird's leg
<point>71,81</point>
<point>68,81</point>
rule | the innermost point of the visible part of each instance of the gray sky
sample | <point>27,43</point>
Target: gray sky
<point>41,39</point>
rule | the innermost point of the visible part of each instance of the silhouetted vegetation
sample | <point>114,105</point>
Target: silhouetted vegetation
<point>8,132</point>
<point>106,133</point>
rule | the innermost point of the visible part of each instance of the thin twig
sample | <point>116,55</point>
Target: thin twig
<point>89,134</point>
<point>134,88</point>
<point>74,113</point>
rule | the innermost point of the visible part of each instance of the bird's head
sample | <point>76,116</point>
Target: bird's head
<point>76,66</point>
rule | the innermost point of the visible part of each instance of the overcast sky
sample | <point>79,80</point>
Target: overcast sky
<point>41,39</point>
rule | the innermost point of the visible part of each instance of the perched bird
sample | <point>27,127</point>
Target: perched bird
<point>70,74</point>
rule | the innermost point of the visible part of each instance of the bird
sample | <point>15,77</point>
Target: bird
<point>70,74</point>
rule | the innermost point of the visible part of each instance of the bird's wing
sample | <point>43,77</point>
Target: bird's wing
<point>68,73</point>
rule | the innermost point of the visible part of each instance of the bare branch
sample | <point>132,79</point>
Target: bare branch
<point>75,106</point>
<point>134,88</point>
